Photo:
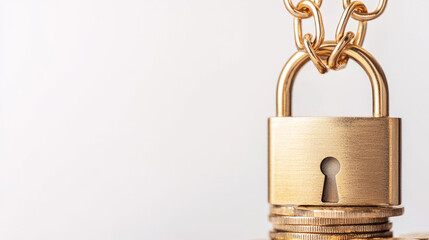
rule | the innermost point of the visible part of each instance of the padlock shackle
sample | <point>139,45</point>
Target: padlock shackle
<point>380,92</point>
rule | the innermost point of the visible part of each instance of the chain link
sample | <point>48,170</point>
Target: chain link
<point>310,44</point>
<point>367,16</point>
<point>311,8</point>
<point>300,13</point>
<point>318,62</point>
<point>336,61</point>
<point>318,24</point>
<point>348,12</point>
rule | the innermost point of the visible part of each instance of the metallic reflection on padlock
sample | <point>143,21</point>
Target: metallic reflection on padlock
<point>367,148</point>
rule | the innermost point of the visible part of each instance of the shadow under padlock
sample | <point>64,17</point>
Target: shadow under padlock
<point>368,147</point>
<point>330,167</point>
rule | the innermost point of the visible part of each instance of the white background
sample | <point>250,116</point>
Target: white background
<point>131,119</point>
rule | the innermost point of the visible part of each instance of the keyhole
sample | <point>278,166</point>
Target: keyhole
<point>330,167</point>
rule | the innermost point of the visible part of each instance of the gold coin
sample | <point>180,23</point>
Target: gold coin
<point>348,212</point>
<point>283,210</point>
<point>292,220</point>
<point>422,235</point>
<point>316,236</point>
<point>398,238</point>
<point>335,229</point>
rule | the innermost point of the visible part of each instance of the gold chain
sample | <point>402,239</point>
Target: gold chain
<point>310,44</point>
<point>314,11</point>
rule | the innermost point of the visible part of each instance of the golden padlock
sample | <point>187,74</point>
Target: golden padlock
<point>334,160</point>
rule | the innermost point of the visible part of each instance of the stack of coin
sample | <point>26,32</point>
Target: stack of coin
<point>323,223</point>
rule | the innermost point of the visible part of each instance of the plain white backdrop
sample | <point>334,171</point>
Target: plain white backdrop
<point>147,119</point>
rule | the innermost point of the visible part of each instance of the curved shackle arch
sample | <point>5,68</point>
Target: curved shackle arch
<point>380,92</point>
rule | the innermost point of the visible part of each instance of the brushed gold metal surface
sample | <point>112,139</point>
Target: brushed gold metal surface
<point>367,148</point>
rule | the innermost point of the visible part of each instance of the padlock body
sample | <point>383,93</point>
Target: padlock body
<point>368,150</point>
